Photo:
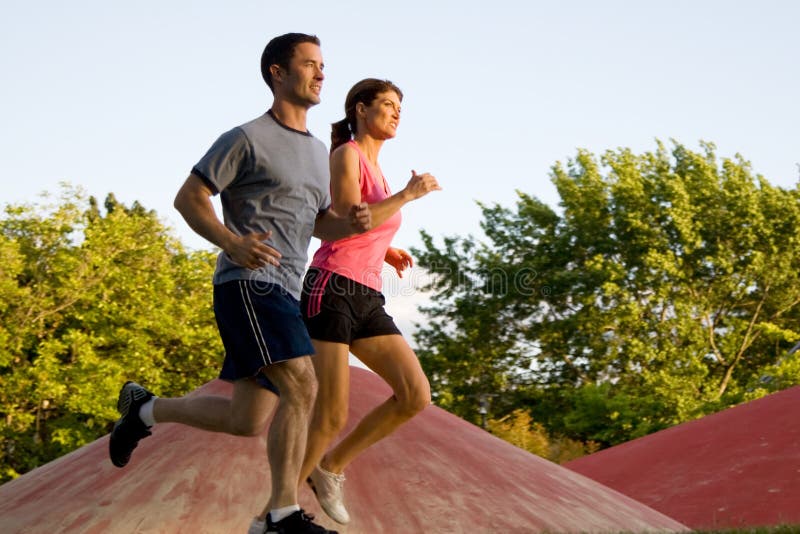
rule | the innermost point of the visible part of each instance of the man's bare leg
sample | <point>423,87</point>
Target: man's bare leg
<point>245,413</point>
<point>286,439</point>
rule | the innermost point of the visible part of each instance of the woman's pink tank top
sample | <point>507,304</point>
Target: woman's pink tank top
<point>360,257</point>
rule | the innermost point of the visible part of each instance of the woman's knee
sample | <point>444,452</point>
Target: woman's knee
<point>415,399</point>
<point>330,418</point>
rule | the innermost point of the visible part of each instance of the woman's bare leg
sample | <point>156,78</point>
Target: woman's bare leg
<point>394,361</point>
<point>331,363</point>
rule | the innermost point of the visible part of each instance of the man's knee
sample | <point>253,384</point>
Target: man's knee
<point>248,422</point>
<point>295,380</point>
<point>247,427</point>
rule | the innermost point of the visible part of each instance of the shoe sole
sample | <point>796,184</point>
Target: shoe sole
<point>130,392</point>
<point>117,462</point>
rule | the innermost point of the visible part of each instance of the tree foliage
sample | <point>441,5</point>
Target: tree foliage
<point>92,297</point>
<point>664,287</point>
<point>518,428</point>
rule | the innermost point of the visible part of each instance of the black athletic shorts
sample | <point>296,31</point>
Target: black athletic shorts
<point>260,325</point>
<point>338,309</point>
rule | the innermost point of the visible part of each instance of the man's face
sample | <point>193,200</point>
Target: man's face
<point>302,82</point>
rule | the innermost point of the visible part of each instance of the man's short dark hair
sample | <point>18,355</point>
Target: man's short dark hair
<point>279,51</point>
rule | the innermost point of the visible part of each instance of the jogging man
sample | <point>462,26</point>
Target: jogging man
<point>273,178</point>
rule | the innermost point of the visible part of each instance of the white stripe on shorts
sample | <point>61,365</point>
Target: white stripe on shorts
<point>254,326</point>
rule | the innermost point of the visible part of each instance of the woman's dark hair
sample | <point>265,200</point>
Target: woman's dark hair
<point>279,51</point>
<point>365,91</point>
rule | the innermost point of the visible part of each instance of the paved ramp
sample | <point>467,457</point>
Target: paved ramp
<point>736,468</point>
<point>438,474</point>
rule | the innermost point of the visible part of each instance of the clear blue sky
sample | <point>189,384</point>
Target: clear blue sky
<point>125,98</point>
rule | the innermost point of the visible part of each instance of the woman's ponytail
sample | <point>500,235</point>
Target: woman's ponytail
<point>340,133</point>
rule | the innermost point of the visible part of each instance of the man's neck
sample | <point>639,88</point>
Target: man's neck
<point>290,115</point>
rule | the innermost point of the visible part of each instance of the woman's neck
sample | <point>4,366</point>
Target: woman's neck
<point>370,147</point>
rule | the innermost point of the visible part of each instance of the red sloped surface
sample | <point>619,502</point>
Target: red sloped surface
<point>736,468</point>
<point>437,474</point>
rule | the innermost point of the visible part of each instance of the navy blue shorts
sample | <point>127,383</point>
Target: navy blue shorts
<point>259,325</point>
<point>338,309</point>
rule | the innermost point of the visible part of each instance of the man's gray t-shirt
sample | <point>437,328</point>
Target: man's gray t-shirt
<point>270,177</point>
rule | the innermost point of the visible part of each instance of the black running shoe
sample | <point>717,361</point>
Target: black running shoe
<point>129,429</point>
<point>297,523</point>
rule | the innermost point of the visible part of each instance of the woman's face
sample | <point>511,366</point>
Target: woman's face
<point>382,116</point>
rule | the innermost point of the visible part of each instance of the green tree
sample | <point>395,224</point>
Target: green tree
<point>475,354</point>
<point>92,297</point>
<point>664,288</point>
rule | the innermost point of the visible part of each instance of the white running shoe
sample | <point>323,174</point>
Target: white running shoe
<point>257,526</point>
<point>329,489</point>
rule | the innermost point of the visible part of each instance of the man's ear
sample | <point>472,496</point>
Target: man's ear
<point>276,72</point>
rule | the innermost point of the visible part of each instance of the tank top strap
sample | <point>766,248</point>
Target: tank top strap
<point>366,164</point>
